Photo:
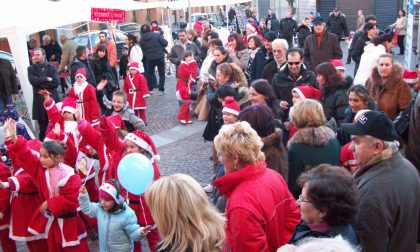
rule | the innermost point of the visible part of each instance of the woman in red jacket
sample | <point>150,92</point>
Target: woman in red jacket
<point>261,212</point>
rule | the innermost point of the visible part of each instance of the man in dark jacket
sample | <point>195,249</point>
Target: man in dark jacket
<point>82,61</point>
<point>42,75</point>
<point>412,150</point>
<point>263,56</point>
<point>153,46</point>
<point>359,42</point>
<point>8,84</point>
<point>52,49</point>
<point>273,24</point>
<point>337,24</point>
<point>321,46</point>
<point>280,48</point>
<point>180,47</point>
<point>291,75</point>
<point>288,28</point>
<point>388,185</point>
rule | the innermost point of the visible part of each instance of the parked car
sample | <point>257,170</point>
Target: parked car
<point>132,28</point>
<point>216,20</point>
<point>83,39</point>
<point>195,16</point>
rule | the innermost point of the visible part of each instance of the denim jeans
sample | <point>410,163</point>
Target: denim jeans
<point>151,64</point>
<point>5,100</point>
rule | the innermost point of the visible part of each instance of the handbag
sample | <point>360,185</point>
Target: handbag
<point>402,121</point>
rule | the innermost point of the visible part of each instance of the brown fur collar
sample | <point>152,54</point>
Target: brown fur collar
<point>395,77</point>
<point>274,139</point>
<point>313,136</point>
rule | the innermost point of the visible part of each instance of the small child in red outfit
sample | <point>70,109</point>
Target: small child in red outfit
<point>187,74</point>
<point>135,86</point>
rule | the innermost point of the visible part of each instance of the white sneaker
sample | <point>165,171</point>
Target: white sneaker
<point>183,121</point>
<point>208,188</point>
<point>189,122</point>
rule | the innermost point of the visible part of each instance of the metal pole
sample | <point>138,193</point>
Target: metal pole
<point>189,13</point>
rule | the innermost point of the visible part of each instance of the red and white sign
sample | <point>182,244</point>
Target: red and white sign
<point>103,14</point>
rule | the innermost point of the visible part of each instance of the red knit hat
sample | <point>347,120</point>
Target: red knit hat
<point>338,64</point>
<point>117,121</point>
<point>231,106</point>
<point>143,141</point>
<point>308,92</point>
<point>110,190</point>
<point>80,72</point>
<point>69,105</point>
<point>410,76</point>
<point>134,65</point>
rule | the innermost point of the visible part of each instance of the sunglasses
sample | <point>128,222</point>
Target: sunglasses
<point>294,63</point>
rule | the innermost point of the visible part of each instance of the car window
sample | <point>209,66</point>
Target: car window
<point>129,27</point>
<point>120,36</point>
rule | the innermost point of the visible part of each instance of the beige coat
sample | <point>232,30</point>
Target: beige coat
<point>400,26</point>
<point>68,52</point>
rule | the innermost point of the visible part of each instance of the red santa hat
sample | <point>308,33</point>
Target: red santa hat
<point>117,121</point>
<point>34,145</point>
<point>143,141</point>
<point>410,76</point>
<point>110,190</point>
<point>51,136</point>
<point>231,106</point>
<point>80,72</point>
<point>251,27</point>
<point>308,92</point>
<point>338,64</point>
<point>134,65</point>
<point>69,105</point>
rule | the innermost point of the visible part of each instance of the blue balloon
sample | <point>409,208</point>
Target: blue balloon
<point>135,173</point>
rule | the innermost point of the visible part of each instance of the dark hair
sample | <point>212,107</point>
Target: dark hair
<point>261,119</point>
<point>369,18</point>
<point>40,49</point>
<point>212,34</point>
<point>221,49</point>
<point>200,18</point>
<point>263,87</point>
<point>80,50</point>
<point>369,26</point>
<point>331,189</point>
<point>294,50</point>
<point>257,40</point>
<point>360,91</point>
<point>403,11</point>
<point>187,54</point>
<point>225,91</point>
<point>53,148</point>
<point>240,45</point>
<point>328,71</point>
<point>182,31</point>
<point>145,28</point>
<point>217,42</point>
<point>101,48</point>
<point>131,38</point>
<point>386,37</point>
<point>103,33</point>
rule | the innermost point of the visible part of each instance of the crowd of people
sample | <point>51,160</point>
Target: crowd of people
<point>304,155</point>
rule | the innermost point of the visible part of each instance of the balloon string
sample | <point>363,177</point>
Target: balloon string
<point>144,215</point>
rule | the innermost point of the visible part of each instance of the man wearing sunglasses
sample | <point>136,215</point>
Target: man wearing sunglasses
<point>292,74</point>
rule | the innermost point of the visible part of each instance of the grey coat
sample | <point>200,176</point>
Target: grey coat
<point>388,212</point>
<point>328,49</point>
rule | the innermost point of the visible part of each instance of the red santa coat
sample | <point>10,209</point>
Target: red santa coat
<point>4,198</point>
<point>62,206</point>
<point>136,89</point>
<point>187,74</point>
<point>85,96</point>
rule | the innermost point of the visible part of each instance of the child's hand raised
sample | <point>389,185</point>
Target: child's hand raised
<point>82,189</point>
<point>145,230</point>
<point>57,129</point>
<point>44,93</point>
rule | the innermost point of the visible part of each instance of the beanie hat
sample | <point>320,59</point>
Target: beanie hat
<point>251,27</point>
<point>134,65</point>
<point>231,106</point>
<point>80,72</point>
<point>410,76</point>
<point>143,141</point>
<point>117,121</point>
<point>338,64</point>
<point>270,36</point>
<point>69,105</point>
<point>308,92</point>
<point>110,190</point>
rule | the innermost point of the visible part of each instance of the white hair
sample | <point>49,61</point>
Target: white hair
<point>46,37</point>
<point>392,145</point>
<point>280,42</point>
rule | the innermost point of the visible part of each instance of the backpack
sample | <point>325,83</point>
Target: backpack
<point>402,121</point>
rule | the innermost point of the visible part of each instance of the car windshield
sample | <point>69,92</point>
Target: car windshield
<point>84,39</point>
<point>129,27</point>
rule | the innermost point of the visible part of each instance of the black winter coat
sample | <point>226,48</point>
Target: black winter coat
<point>328,49</point>
<point>359,47</point>
<point>86,64</point>
<point>53,49</point>
<point>288,27</point>
<point>303,231</point>
<point>153,45</point>
<point>275,24</point>
<point>8,81</point>
<point>262,58</point>
<point>335,101</point>
<point>337,25</point>
<point>37,75</point>
<point>302,32</point>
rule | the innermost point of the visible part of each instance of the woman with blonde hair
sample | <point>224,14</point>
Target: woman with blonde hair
<point>313,144</point>
<point>184,216</point>
<point>260,210</point>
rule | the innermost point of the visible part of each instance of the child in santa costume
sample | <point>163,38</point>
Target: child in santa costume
<point>135,86</point>
<point>301,93</point>
<point>85,95</point>
<point>187,74</point>
<point>7,244</point>
<point>135,142</point>
<point>24,201</point>
<point>117,222</point>
<point>58,187</point>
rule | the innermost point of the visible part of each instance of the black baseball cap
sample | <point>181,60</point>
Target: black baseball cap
<point>372,123</point>
<point>318,20</point>
<point>270,36</point>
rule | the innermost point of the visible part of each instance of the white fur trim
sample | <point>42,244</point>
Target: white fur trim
<point>297,90</point>
<point>229,110</point>
<point>137,140</point>
<point>110,189</point>
<point>135,68</point>
<point>412,81</point>
<point>51,106</point>
<point>17,184</point>
<point>3,227</point>
<point>21,238</point>
<point>79,74</point>
<point>68,109</point>
<point>90,176</point>
<point>146,95</point>
<point>69,243</point>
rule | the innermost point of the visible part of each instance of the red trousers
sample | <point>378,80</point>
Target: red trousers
<point>184,111</point>
<point>7,244</point>
<point>37,245</point>
<point>143,213</point>
<point>55,241</point>
<point>141,113</point>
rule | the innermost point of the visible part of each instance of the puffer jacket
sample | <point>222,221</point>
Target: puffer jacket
<point>391,96</point>
<point>335,101</point>
<point>153,45</point>
<point>288,27</point>
<point>337,25</point>
<point>117,231</point>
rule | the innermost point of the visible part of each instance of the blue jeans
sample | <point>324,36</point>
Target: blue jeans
<point>5,100</point>
<point>219,173</point>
